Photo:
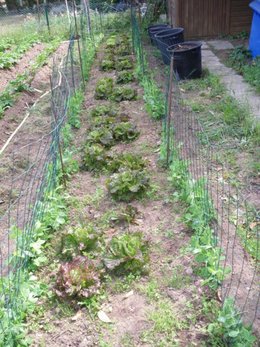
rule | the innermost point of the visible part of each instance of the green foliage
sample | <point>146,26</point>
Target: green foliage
<point>95,157</point>
<point>123,93</point>
<point>74,108</point>
<point>104,110</point>
<point>104,88</point>
<point>241,60</point>
<point>124,63</point>
<point>123,49</point>
<point>102,135</point>
<point>78,278</point>
<point>239,56</point>
<point>125,131</point>
<point>6,101</point>
<point>79,240</point>
<point>107,65</point>
<point>22,81</point>
<point>13,329</point>
<point>125,77</point>
<point>8,58</point>
<point>127,161</point>
<point>251,73</point>
<point>154,98</point>
<point>208,255</point>
<point>70,165</point>
<point>127,253</point>
<point>126,215</point>
<point>127,185</point>
<point>199,216</point>
<point>228,330</point>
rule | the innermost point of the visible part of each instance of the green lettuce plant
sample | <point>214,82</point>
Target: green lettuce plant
<point>95,157</point>
<point>124,63</point>
<point>126,160</point>
<point>102,135</point>
<point>79,241</point>
<point>127,185</point>
<point>104,110</point>
<point>104,88</point>
<point>124,77</point>
<point>123,93</point>
<point>125,131</point>
<point>127,253</point>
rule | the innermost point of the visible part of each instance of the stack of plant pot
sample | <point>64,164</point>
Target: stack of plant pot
<point>186,54</point>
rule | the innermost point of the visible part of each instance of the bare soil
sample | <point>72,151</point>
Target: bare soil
<point>7,75</point>
<point>41,82</point>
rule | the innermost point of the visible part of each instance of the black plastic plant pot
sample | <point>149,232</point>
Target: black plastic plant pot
<point>167,38</point>
<point>154,29</point>
<point>187,59</point>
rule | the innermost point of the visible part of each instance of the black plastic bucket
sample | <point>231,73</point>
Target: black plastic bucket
<point>187,59</point>
<point>167,38</point>
<point>154,29</point>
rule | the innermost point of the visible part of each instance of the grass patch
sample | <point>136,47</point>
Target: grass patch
<point>241,60</point>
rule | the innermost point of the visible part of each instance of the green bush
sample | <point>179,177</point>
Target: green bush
<point>228,330</point>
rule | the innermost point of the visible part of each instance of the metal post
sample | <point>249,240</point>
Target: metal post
<point>47,18</point>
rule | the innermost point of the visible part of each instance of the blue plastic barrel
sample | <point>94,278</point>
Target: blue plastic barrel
<point>254,40</point>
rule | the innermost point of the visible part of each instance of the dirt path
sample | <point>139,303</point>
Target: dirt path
<point>7,75</point>
<point>166,307</point>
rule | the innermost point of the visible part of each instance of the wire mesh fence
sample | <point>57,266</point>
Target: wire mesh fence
<point>216,210</point>
<point>32,164</point>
